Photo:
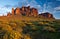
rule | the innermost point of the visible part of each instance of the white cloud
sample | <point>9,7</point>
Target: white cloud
<point>31,3</point>
<point>48,8</point>
<point>57,8</point>
<point>4,10</point>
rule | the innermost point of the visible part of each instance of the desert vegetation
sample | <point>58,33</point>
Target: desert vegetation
<point>29,28</point>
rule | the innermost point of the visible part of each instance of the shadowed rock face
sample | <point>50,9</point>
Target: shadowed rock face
<point>46,15</point>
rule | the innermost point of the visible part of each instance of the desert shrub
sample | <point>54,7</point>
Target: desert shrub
<point>27,36</point>
<point>22,24</point>
<point>18,29</point>
<point>41,23</point>
<point>12,24</point>
<point>3,33</point>
<point>27,29</point>
<point>36,23</point>
<point>48,28</point>
<point>15,35</point>
<point>0,22</point>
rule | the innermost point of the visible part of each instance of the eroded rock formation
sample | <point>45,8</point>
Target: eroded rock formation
<point>17,11</point>
<point>27,11</point>
<point>13,12</point>
<point>46,15</point>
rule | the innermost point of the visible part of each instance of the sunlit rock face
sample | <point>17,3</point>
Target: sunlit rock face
<point>13,11</point>
<point>27,11</point>
<point>17,11</point>
<point>9,14</point>
<point>34,12</point>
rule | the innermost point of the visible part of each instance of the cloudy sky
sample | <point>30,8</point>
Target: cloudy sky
<point>52,6</point>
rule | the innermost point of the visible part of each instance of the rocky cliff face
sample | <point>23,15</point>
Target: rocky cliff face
<point>27,11</point>
<point>34,12</point>
<point>13,12</point>
<point>46,15</point>
<point>17,11</point>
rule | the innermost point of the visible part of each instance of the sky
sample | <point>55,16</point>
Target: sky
<point>52,6</point>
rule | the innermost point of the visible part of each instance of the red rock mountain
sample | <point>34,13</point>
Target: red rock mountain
<point>27,11</point>
<point>46,15</point>
<point>24,11</point>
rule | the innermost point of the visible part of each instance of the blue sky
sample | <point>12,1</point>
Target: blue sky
<point>52,6</point>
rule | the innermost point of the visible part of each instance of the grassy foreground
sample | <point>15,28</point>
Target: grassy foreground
<point>29,28</point>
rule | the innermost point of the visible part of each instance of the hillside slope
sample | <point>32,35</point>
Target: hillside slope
<point>23,27</point>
